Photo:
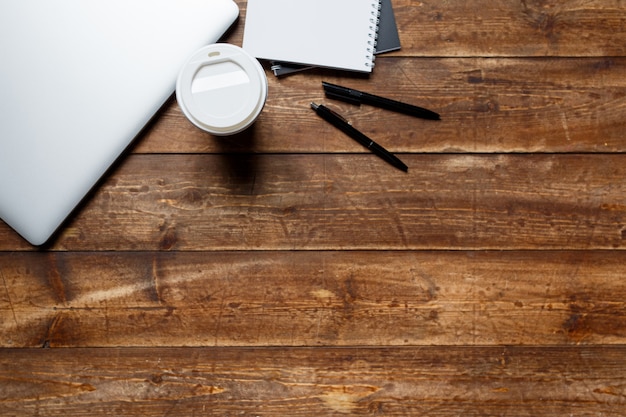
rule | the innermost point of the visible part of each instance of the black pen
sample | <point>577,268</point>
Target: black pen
<point>353,96</point>
<point>343,125</point>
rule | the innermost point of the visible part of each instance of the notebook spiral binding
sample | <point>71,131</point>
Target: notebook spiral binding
<point>373,34</point>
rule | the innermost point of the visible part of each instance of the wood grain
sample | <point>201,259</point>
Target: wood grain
<point>511,28</point>
<point>479,381</point>
<point>513,105</point>
<point>313,299</point>
<point>298,202</point>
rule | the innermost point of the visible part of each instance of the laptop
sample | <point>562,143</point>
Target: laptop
<point>79,80</point>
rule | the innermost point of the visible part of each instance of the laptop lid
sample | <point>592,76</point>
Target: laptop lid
<point>78,81</point>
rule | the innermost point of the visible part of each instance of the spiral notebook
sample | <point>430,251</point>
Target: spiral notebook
<point>388,41</point>
<point>337,34</point>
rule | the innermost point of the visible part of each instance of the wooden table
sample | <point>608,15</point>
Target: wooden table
<point>287,271</point>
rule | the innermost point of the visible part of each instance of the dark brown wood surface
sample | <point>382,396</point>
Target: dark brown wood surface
<point>287,271</point>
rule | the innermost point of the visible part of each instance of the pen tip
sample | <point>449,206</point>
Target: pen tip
<point>314,106</point>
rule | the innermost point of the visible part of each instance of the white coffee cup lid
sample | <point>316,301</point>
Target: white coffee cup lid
<point>222,89</point>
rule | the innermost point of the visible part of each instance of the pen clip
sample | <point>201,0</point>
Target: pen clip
<point>322,108</point>
<point>338,115</point>
<point>342,93</point>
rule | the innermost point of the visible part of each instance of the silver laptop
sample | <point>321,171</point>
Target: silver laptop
<point>78,81</point>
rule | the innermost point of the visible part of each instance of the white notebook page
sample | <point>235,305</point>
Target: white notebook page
<point>329,33</point>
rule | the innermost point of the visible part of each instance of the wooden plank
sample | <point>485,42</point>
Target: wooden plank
<point>303,202</point>
<point>512,28</point>
<point>312,298</point>
<point>512,105</point>
<point>313,382</point>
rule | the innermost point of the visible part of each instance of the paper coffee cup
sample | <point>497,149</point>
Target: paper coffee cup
<point>222,89</point>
